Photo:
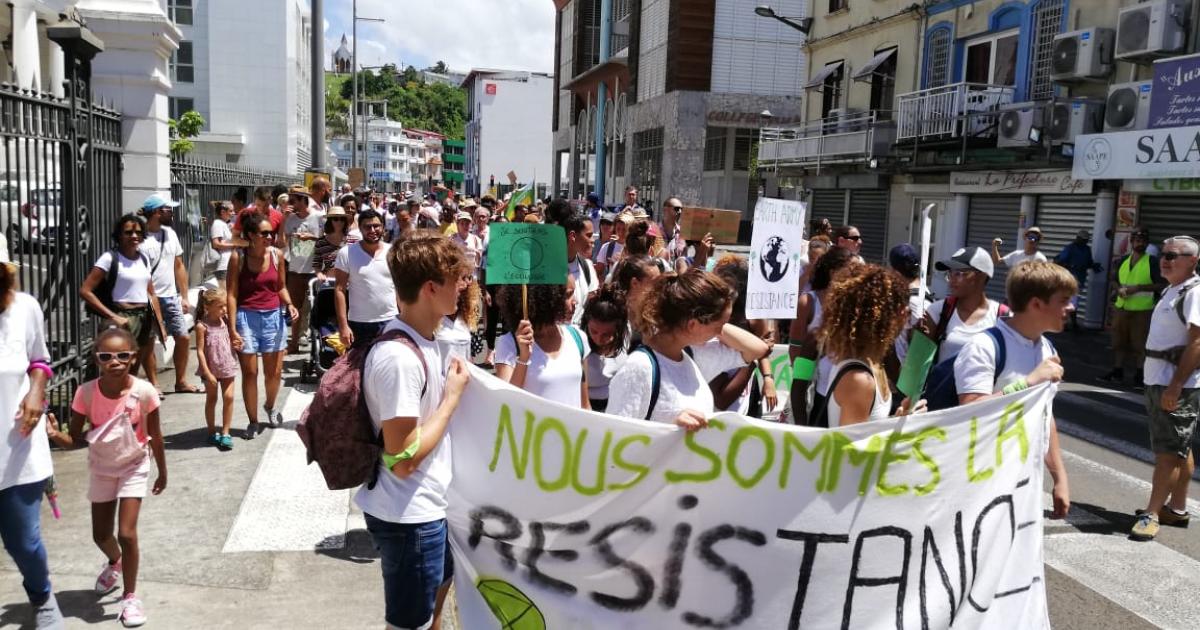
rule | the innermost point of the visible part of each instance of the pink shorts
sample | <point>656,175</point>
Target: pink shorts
<point>130,484</point>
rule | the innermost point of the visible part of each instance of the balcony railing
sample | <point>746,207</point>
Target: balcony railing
<point>848,137</point>
<point>951,111</point>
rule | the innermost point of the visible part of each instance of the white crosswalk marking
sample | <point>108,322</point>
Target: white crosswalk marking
<point>1135,486</point>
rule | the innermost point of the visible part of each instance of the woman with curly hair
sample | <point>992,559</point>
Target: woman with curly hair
<point>864,313</point>
<point>454,335</point>
<point>687,341</point>
<point>545,354</point>
<point>606,323</point>
<point>802,335</point>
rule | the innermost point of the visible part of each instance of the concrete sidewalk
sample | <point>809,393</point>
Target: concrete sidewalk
<point>187,579</point>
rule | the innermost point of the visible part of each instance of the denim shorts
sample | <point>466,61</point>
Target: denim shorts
<point>262,332</point>
<point>416,561</point>
<point>172,313</point>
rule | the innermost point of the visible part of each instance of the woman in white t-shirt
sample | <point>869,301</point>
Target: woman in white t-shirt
<point>610,252</point>
<point>543,355</point>
<point>25,462</point>
<point>130,301</point>
<point>222,241</point>
<point>687,341</point>
<point>864,313</point>
<point>607,326</point>
<point>454,335</point>
<point>967,273</point>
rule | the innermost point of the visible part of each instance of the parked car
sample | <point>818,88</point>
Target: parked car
<point>33,218</point>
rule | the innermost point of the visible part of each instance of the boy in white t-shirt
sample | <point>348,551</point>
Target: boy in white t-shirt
<point>1040,294</point>
<point>410,401</point>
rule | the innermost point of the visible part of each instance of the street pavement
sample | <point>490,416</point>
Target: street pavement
<point>253,539</point>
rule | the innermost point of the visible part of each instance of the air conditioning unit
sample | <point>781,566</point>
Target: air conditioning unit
<point>1082,55</point>
<point>1157,28</point>
<point>977,102</point>
<point>1128,106</point>
<point>1076,117</point>
<point>1016,125</point>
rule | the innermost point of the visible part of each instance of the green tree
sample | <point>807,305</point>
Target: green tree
<point>433,107</point>
<point>183,130</point>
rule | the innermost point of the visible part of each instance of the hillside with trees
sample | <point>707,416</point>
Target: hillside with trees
<point>416,104</point>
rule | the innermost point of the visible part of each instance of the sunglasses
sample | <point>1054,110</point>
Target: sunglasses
<point>1174,255</point>
<point>959,273</point>
<point>133,232</point>
<point>106,357</point>
<point>856,237</point>
<point>1033,237</point>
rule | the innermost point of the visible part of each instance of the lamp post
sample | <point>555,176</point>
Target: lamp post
<point>803,25</point>
<point>354,67</point>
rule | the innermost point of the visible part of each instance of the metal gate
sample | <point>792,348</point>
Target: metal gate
<point>1060,217</point>
<point>1166,216</point>
<point>992,216</point>
<point>868,213</point>
<point>60,188</point>
<point>829,204</point>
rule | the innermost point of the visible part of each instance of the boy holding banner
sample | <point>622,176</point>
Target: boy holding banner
<point>1040,295</point>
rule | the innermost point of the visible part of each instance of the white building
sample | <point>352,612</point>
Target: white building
<point>244,66</point>
<point>396,158</point>
<point>508,127</point>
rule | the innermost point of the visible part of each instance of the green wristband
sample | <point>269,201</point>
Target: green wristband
<point>803,369</point>
<point>1014,387</point>
<point>406,454</point>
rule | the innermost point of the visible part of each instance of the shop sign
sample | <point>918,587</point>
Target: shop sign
<point>1147,154</point>
<point>752,118</point>
<point>1018,183</point>
<point>1175,99</point>
<point>1181,186</point>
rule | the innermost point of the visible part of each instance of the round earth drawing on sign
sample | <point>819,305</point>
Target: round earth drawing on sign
<point>512,608</point>
<point>773,261</point>
<point>526,254</point>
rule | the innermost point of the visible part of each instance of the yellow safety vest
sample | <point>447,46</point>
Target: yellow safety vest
<point>1139,274</point>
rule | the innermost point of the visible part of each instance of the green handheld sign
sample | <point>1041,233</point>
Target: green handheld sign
<point>527,253</point>
<point>921,352</point>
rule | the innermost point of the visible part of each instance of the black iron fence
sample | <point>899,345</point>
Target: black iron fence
<point>197,185</point>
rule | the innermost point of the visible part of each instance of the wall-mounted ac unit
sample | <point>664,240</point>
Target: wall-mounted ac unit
<point>1152,29</point>
<point>1074,118</point>
<point>1128,106</point>
<point>986,100</point>
<point>1082,55</point>
<point>1016,123</point>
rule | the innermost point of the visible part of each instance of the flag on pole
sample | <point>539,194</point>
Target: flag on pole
<point>521,197</point>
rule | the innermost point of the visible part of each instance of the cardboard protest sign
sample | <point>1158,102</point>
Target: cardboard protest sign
<point>527,253</point>
<point>722,224</point>
<point>564,518</point>
<point>358,177</point>
<point>777,253</point>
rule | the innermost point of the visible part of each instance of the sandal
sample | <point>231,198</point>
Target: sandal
<point>187,388</point>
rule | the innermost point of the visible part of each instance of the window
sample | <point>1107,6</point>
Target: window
<point>714,148</point>
<point>883,87</point>
<point>182,70</point>
<point>180,11</point>
<point>647,163</point>
<point>838,5</point>
<point>937,57</point>
<point>831,89</point>
<point>1047,22</point>
<point>179,106</point>
<point>743,146</point>
<point>378,148</point>
<point>992,60</point>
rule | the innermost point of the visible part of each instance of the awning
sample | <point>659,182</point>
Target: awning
<point>866,72</point>
<point>818,79</point>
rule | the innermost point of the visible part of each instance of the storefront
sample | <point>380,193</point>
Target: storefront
<point>1166,207</point>
<point>858,200</point>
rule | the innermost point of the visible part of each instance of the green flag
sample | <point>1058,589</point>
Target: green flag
<point>527,253</point>
<point>521,197</point>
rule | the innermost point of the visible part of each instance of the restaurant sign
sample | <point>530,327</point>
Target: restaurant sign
<point>1018,183</point>
<point>1175,99</point>
<point>1146,154</point>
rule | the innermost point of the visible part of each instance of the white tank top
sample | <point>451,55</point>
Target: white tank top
<point>880,409</point>
<point>816,314</point>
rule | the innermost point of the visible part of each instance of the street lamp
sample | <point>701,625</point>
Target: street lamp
<point>804,24</point>
<point>354,66</point>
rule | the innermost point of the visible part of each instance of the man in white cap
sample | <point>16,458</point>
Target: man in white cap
<point>1033,238</point>
<point>165,253</point>
<point>470,244</point>
<point>967,310</point>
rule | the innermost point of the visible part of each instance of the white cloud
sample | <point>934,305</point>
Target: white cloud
<point>510,34</point>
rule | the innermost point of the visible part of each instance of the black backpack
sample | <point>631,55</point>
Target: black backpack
<point>655,377</point>
<point>104,292</point>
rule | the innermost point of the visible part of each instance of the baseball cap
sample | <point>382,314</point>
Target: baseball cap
<point>156,201</point>
<point>1034,230</point>
<point>594,198</point>
<point>1084,234</point>
<point>903,256</point>
<point>968,258</point>
<point>463,216</point>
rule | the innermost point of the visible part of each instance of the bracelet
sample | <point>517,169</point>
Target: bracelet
<point>770,376</point>
<point>43,367</point>
<point>1014,387</point>
<point>525,363</point>
<point>803,369</point>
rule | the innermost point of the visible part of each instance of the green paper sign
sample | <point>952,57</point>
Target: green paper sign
<point>527,253</point>
<point>921,352</point>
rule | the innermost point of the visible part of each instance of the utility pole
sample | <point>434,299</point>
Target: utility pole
<point>606,14</point>
<point>354,72</point>
<point>317,69</point>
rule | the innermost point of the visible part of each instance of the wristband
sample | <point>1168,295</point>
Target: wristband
<point>406,454</point>
<point>803,368</point>
<point>1017,386</point>
<point>525,363</point>
<point>43,367</point>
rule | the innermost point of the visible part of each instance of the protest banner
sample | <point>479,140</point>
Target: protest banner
<point>565,518</point>
<point>777,253</point>
<point>694,223</point>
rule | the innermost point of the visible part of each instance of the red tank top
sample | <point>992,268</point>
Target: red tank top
<point>259,291</point>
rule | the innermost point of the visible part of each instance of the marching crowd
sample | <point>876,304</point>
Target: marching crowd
<point>649,325</point>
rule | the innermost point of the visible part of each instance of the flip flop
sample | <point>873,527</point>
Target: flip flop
<point>187,388</point>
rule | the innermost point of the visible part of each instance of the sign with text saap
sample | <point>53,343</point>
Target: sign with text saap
<point>527,253</point>
<point>1175,98</point>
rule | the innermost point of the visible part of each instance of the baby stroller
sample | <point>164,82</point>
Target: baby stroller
<point>322,322</point>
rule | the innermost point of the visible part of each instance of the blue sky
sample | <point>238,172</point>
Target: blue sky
<point>507,34</point>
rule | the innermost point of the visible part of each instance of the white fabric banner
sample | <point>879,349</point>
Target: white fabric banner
<point>778,252</point>
<point>562,518</point>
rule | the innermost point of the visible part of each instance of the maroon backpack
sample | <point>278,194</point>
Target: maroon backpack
<point>336,427</point>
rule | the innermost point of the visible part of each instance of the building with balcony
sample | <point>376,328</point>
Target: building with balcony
<point>453,160</point>
<point>685,89</point>
<point>507,130</point>
<point>396,158</point>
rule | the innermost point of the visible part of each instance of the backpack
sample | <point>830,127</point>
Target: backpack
<point>586,269</point>
<point>820,414</point>
<point>578,346</point>
<point>118,443</point>
<point>941,392</point>
<point>336,428</point>
<point>1183,291</point>
<point>655,377</point>
<point>948,306</point>
<point>104,291</point>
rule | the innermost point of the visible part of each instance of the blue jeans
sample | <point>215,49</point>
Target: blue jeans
<point>21,529</point>
<point>416,562</point>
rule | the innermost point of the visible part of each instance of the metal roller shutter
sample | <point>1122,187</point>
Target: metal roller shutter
<point>868,213</point>
<point>1167,216</point>
<point>988,217</point>
<point>829,204</point>
<point>1060,217</point>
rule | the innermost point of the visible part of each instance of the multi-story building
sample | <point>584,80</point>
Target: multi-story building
<point>688,84</point>
<point>507,130</point>
<point>397,158</point>
<point>454,159</point>
<point>251,84</point>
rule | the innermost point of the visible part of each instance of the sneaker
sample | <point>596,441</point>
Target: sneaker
<point>106,582</point>
<point>48,616</point>
<point>132,614</point>
<point>225,443</point>
<point>214,439</point>
<point>1146,527</point>
<point>274,418</point>
<point>1171,518</point>
<point>251,431</point>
